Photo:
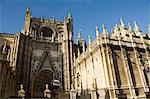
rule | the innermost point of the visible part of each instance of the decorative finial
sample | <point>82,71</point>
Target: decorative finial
<point>116,28</point>
<point>41,17</point>
<point>69,14</point>
<point>79,34</point>
<point>83,45</point>
<point>28,11</point>
<point>122,23</point>
<point>104,30</point>
<point>90,40</point>
<point>53,20</point>
<point>129,27</point>
<point>97,31</point>
<point>149,28</point>
<point>136,28</point>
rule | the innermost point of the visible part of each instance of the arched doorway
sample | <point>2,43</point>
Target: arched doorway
<point>43,78</point>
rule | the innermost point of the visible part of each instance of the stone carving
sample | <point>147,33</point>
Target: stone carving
<point>21,92</point>
<point>47,92</point>
<point>44,60</point>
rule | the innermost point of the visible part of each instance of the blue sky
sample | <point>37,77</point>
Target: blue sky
<point>86,13</point>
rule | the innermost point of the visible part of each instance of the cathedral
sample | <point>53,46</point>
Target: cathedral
<point>43,61</point>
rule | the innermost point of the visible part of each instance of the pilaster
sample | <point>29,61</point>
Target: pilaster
<point>142,77</point>
<point>108,71</point>
<point>126,67</point>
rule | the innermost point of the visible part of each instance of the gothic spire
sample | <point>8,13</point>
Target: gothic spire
<point>26,28</point>
<point>69,15</point>
<point>122,23</point>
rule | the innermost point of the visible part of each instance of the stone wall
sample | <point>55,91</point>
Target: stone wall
<point>119,66</point>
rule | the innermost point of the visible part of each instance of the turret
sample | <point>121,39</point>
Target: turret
<point>68,51</point>
<point>70,26</point>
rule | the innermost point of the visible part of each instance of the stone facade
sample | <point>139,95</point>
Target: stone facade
<point>40,54</point>
<point>114,65</point>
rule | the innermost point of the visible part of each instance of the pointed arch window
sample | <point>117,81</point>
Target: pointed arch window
<point>46,32</point>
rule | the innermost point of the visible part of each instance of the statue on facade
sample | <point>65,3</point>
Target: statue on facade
<point>21,92</point>
<point>47,92</point>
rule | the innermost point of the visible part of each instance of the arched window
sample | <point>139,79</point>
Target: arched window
<point>46,32</point>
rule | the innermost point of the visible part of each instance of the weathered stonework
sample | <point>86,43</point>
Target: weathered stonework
<point>117,64</point>
<point>114,65</point>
